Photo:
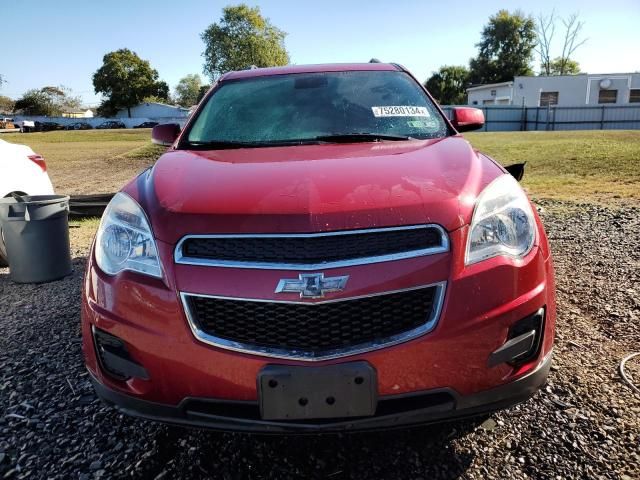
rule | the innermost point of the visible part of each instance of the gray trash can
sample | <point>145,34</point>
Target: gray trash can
<point>35,230</point>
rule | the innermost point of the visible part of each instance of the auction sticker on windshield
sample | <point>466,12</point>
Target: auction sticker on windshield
<point>400,111</point>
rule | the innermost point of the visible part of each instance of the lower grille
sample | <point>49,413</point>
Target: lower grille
<point>314,331</point>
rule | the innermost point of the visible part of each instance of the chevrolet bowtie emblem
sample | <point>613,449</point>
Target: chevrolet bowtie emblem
<point>312,285</point>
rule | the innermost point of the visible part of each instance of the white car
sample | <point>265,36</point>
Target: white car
<point>24,172</point>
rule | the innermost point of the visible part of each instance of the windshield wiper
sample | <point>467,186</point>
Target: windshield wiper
<point>225,144</point>
<point>219,145</point>
<point>330,138</point>
<point>361,137</point>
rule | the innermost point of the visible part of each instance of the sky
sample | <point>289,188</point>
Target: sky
<point>62,42</point>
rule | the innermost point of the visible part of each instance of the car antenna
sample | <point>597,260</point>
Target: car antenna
<point>374,60</point>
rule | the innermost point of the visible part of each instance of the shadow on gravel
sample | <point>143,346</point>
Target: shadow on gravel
<point>424,452</point>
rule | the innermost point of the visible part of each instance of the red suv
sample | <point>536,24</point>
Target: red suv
<point>319,250</point>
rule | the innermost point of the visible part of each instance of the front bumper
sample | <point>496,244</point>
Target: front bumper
<point>432,406</point>
<point>441,375</point>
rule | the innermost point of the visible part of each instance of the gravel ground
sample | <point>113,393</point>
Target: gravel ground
<point>584,424</point>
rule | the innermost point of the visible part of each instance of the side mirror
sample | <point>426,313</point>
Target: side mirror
<point>516,170</point>
<point>165,134</point>
<point>465,119</point>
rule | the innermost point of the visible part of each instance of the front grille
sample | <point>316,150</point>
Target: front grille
<point>314,330</point>
<point>315,249</point>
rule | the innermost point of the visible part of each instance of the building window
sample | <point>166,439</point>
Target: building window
<point>549,98</point>
<point>494,93</point>
<point>607,96</point>
<point>634,95</point>
<point>488,102</point>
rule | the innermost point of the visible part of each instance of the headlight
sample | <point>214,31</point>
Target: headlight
<point>502,224</point>
<point>125,241</point>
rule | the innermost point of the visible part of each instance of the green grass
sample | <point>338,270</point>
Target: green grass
<point>593,166</point>
<point>148,150</point>
<point>597,166</point>
<point>89,221</point>
<point>92,161</point>
<point>70,145</point>
<point>66,136</point>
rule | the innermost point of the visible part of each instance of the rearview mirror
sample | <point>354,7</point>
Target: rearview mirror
<point>465,119</point>
<point>165,134</point>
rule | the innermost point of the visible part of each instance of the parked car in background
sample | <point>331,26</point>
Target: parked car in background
<point>24,172</point>
<point>7,123</point>
<point>319,250</point>
<point>27,126</point>
<point>78,126</point>
<point>111,124</point>
<point>50,126</point>
<point>146,125</point>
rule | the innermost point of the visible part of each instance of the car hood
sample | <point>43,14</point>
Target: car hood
<point>313,188</point>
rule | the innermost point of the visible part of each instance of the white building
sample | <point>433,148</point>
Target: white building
<point>561,90</point>
<point>77,113</point>
<point>154,111</point>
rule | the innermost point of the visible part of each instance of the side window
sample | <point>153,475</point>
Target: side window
<point>634,95</point>
<point>549,98</point>
<point>607,96</point>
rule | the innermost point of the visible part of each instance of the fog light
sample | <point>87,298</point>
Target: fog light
<point>114,357</point>
<point>523,341</point>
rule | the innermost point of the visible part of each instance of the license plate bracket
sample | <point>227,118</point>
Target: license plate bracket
<point>332,391</point>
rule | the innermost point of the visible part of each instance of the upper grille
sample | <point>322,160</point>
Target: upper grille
<point>314,330</point>
<point>312,251</point>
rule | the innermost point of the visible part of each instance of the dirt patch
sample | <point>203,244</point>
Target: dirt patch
<point>584,424</point>
<point>104,173</point>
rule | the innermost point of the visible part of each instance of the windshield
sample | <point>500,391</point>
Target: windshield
<point>317,107</point>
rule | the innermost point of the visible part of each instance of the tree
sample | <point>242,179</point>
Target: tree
<point>202,92</point>
<point>156,99</point>
<point>49,101</point>
<point>505,49</point>
<point>187,90</point>
<point>162,91</point>
<point>242,38</point>
<point>107,108</point>
<point>6,104</point>
<point>34,102</point>
<point>448,85</point>
<point>545,30</point>
<point>61,98</point>
<point>126,79</point>
<point>572,41</point>
<point>558,66</point>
